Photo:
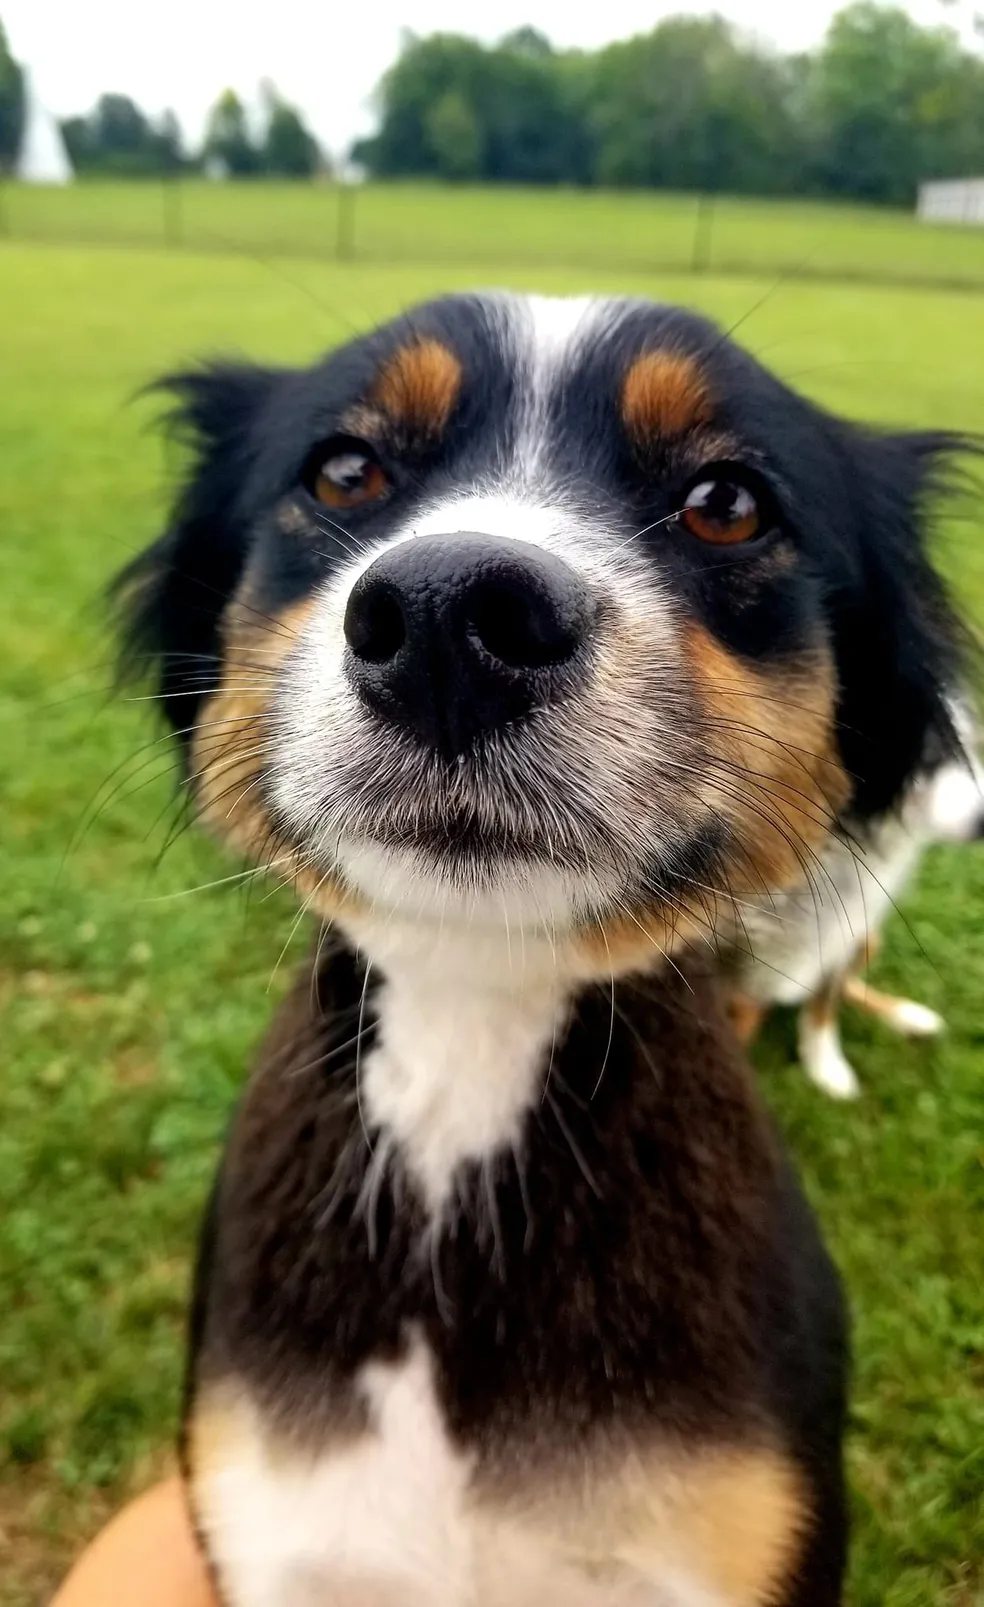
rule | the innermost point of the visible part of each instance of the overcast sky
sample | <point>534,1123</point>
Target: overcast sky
<point>326,58</point>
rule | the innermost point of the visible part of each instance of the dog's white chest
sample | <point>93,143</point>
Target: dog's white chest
<point>389,1519</point>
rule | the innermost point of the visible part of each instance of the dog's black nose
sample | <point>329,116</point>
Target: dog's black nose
<point>453,637</point>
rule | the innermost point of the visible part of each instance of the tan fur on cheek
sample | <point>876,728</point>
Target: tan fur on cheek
<point>229,750</point>
<point>773,772</point>
<point>758,754</point>
<point>631,943</point>
<point>637,939</point>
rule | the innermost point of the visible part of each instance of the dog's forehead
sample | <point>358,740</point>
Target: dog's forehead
<point>537,343</point>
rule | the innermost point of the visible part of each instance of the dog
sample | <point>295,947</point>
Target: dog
<point>525,638</point>
<point>809,946</point>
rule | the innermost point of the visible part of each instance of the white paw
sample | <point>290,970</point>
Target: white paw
<point>824,1063</point>
<point>915,1020</point>
<point>835,1076</point>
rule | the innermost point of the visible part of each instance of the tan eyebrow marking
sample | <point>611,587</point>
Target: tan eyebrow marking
<point>418,387</point>
<point>664,394</point>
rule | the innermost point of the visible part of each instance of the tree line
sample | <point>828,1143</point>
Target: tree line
<point>118,140</point>
<point>694,104</point>
<point>881,104</point>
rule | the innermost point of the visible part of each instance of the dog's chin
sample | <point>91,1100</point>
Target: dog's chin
<point>473,884</point>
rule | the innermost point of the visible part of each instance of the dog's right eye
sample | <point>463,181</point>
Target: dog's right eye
<point>346,473</point>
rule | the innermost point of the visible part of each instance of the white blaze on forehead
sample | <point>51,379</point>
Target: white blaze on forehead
<point>548,332</point>
<point>552,330</point>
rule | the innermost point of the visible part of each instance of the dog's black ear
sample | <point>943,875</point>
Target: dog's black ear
<point>172,596</point>
<point>899,644</point>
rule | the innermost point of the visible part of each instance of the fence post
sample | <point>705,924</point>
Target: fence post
<point>173,221</point>
<point>345,222</point>
<point>700,259</point>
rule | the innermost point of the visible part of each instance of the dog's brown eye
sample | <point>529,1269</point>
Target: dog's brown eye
<point>348,475</point>
<point>722,512</point>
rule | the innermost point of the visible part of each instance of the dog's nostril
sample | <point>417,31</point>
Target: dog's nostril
<point>519,628</point>
<point>375,628</point>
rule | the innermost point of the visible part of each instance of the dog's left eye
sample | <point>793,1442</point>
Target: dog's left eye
<point>721,511</point>
<point>346,474</point>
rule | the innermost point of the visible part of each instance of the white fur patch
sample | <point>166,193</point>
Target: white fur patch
<point>547,332</point>
<point>376,1523</point>
<point>952,807</point>
<point>824,1060</point>
<point>526,899</point>
<point>814,931</point>
<point>913,1020</point>
<point>465,1033</point>
<point>391,1520</point>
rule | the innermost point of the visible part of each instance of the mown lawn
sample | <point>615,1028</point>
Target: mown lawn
<point>129,1005</point>
<point>597,230</point>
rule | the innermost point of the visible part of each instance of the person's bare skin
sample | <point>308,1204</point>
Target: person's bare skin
<point>146,1557</point>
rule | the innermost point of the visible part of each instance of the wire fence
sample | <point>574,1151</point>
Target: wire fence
<point>603,231</point>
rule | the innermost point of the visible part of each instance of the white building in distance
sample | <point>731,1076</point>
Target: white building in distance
<point>951,201</point>
<point>42,158</point>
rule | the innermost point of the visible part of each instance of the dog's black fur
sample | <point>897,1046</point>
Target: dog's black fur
<point>678,1246</point>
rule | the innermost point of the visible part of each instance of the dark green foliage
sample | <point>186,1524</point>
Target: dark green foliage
<point>289,150</point>
<point>453,107</point>
<point>227,138</point>
<point>692,105</point>
<point>892,103</point>
<point>12,100</point>
<point>286,149</point>
<point>117,140</point>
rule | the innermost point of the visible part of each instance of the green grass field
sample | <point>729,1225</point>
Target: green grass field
<point>128,1008</point>
<point>633,232</point>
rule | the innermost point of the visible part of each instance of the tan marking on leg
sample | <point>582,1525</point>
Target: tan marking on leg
<point>868,952</point>
<point>822,1008</point>
<point>664,394</point>
<point>746,1016</point>
<point>820,1050</point>
<point>904,1015</point>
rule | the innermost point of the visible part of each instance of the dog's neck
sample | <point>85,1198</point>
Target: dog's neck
<point>467,1021</point>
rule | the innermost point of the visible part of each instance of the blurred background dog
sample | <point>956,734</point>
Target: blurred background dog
<point>811,946</point>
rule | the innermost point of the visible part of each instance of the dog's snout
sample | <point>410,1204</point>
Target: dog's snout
<point>453,637</point>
